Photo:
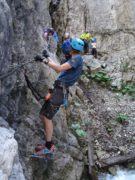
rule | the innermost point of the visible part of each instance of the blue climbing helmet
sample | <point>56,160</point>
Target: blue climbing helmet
<point>93,40</point>
<point>77,44</point>
<point>66,46</point>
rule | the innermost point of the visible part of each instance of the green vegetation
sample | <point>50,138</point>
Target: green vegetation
<point>86,74</point>
<point>102,78</point>
<point>122,118</point>
<point>81,133</point>
<point>78,130</point>
<point>109,129</point>
<point>105,80</point>
<point>128,88</point>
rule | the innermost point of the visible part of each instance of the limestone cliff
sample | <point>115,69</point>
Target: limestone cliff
<point>92,105</point>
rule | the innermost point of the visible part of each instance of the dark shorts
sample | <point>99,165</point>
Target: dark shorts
<point>50,108</point>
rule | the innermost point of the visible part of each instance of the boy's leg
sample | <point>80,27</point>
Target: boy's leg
<point>48,130</point>
<point>46,114</point>
<point>48,127</point>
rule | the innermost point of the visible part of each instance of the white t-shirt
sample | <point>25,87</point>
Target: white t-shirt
<point>93,44</point>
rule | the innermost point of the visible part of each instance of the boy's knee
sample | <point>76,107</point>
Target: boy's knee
<point>41,116</point>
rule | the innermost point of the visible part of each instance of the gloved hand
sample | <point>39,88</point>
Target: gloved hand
<point>45,53</point>
<point>46,61</point>
<point>38,58</point>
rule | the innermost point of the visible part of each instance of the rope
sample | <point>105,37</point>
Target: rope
<point>33,90</point>
<point>13,70</point>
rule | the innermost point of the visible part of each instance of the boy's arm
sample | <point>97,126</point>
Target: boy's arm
<point>57,67</point>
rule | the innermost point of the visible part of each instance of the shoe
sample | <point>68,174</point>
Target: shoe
<point>42,152</point>
<point>39,147</point>
<point>52,149</point>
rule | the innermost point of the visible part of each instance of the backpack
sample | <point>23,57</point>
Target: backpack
<point>86,36</point>
<point>94,40</point>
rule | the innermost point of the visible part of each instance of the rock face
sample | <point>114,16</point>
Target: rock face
<point>8,153</point>
<point>21,25</point>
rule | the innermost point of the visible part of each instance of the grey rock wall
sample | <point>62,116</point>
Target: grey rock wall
<point>21,38</point>
<point>9,150</point>
<point>21,23</point>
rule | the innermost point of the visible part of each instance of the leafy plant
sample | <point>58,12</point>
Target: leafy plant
<point>79,132</point>
<point>101,77</point>
<point>105,80</point>
<point>126,88</point>
<point>122,117</point>
<point>125,67</point>
<point>109,129</point>
<point>131,92</point>
<point>75,126</point>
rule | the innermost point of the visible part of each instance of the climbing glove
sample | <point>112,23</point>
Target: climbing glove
<point>38,58</point>
<point>45,54</point>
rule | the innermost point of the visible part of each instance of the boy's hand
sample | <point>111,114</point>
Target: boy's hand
<point>38,58</point>
<point>45,54</point>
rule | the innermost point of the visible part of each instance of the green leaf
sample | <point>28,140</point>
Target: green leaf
<point>77,104</point>
<point>122,117</point>
<point>75,126</point>
<point>81,133</point>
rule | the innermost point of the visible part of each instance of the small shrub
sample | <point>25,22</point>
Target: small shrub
<point>102,78</point>
<point>75,126</point>
<point>131,92</point>
<point>122,118</point>
<point>78,130</point>
<point>81,133</point>
<point>126,88</point>
<point>109,129</point>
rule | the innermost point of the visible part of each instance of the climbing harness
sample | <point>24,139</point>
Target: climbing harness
<point>61,93</point>
<point>65,92</point>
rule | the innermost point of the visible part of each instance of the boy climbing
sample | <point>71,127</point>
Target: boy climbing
<point>70,72</point>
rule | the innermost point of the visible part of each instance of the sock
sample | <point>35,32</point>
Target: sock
<point>48,144</point>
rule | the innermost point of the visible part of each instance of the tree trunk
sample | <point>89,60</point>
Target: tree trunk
<point>117,160</point>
